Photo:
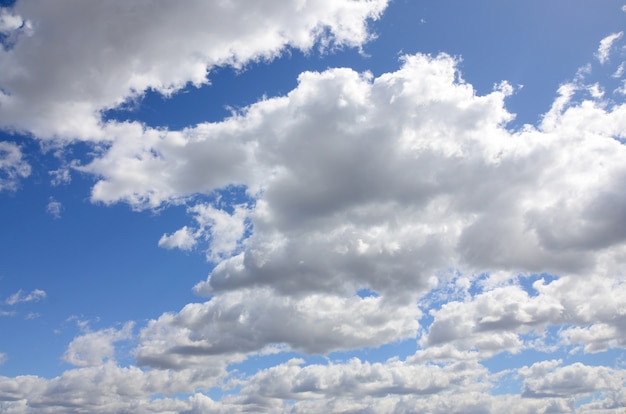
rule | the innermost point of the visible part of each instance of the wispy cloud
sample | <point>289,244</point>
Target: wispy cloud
<point>12,166</point>
<point>604,50</point>
<point>21,297</point>
<point>54,208</point>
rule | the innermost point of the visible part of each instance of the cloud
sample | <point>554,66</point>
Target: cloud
<point>238,323</point>
<point>54,208</point>
<point>102,389</point>
<point>222,230</point>
<point>604,49</point>
<point>182,239</point>
<point>3,358</point>
<point>571,380</point>
<point>385,184</point>
<point>19,297</point>
<point>12,166</point>
<point>348,386</point>
<point>9,22</point>
<point>94,348</point>
<point>97,56</point>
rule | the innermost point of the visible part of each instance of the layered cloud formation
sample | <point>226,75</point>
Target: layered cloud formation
<point>373,210</point>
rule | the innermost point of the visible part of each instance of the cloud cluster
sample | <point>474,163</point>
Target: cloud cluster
<point>20,297</point>
<point>361,195</point>
<point>350,386</point>
<point>383,184</point>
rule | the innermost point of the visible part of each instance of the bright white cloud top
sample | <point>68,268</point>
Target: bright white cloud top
<point>378,236</point>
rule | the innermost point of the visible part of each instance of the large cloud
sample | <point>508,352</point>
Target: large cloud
<point>380,183</point>
<point>62,65</point>
<point>384,185</point>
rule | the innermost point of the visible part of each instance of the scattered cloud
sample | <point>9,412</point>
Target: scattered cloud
<point>604,49</point>
<point>94,348</point>
<point>182,239</point>
<point>12,166</point>
<point>19,297</point>
<point>54,208</point>
<point>60,176</point>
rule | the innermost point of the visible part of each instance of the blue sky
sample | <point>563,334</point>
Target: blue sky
<point>312,206</point>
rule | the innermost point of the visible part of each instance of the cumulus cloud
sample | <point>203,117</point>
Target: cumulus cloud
<point>293,387</point>
<point>93,348</point>
<point>571,380</point>
<point>77,59</point>
<point>21,297</point>
<point>247,321</point>
<point>385,184</point>
<point>182,239</point>
<point>12,166</point>
<point>103,389</point>
<point>389,185</point>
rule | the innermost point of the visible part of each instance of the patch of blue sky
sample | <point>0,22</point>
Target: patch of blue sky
<point>506,382</point>
<point>526,282</point>
<point>259,362</point>
<point>399,349</point>
<point>231,89</point>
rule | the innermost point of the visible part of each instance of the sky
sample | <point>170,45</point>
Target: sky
<point>346,206</point>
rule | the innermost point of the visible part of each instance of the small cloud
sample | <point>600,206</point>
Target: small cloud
<point>9,22</point>
<point>605,46</point>
<point>182,239</point>
<point>20,297</point>
<point>32,315</point>
<point>12,166</point>
<point>3,358</point>
<point>60,176</point>
<point>54,208</point>
<point>93,348</point>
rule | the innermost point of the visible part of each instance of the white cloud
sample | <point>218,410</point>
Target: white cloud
<point>350,386</point>
<point>93,348</point>
<point>9,22</point>
<point>182,239</point>
<point>20,297</point>
<point>103,389</point>
<point>604,50</point>
<point>247,321</point>
<point>54,208</point>
<point>3,358</point>
<point>571,380</point>
<point>223,231</point>
<point>60,176</point>
<point>78,59</point>
<point>12,166</point>
<point>385,184</point>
